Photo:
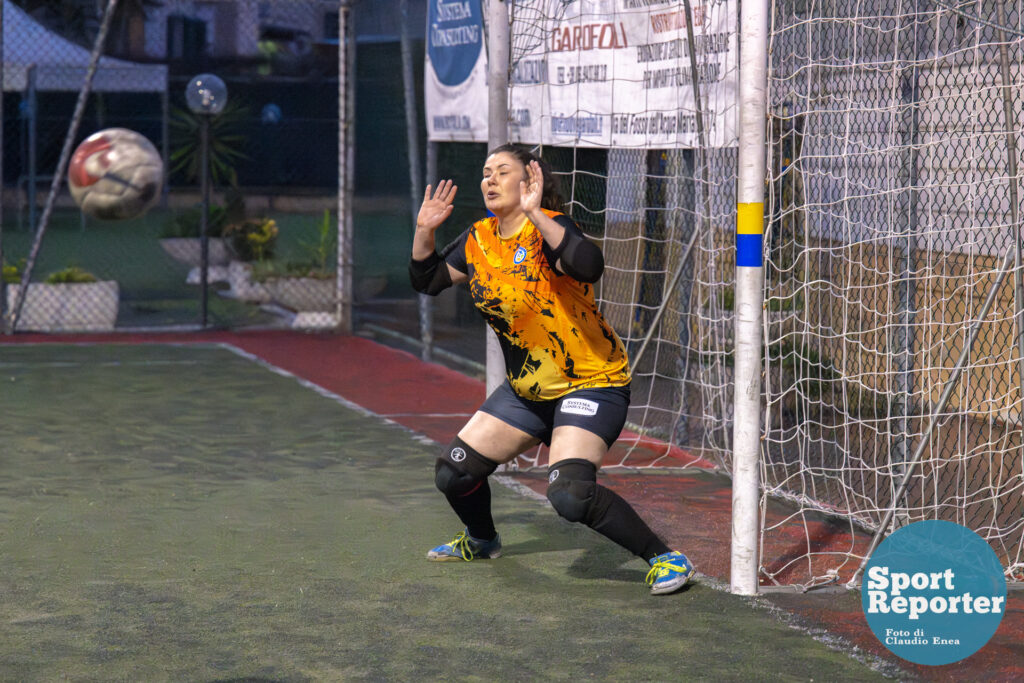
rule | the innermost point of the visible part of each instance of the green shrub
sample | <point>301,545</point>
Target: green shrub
<point>70,275</point>
<point>318,260</point>
<point>253,239</point>
<point>12,272</point>
<point>186,223</point>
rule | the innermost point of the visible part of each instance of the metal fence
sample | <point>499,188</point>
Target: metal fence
<point>895,215</point>
<point>274,161</point>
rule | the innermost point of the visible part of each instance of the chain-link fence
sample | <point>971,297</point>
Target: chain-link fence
<point>894,210</point>
<point>273,158</point>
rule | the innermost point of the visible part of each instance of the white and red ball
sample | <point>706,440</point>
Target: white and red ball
<point>115,174</point>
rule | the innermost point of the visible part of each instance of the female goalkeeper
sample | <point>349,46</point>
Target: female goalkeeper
<point>530,272</point>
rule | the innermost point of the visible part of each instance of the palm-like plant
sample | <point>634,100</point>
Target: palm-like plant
<point>225,143</point>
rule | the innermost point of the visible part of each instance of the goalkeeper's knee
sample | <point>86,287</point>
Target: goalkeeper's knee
<point>574,492</point>
<point>461,469</point>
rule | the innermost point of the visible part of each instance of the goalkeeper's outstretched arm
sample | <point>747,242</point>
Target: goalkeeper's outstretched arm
<point>428,272</point>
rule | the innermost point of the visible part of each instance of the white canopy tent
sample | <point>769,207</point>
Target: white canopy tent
<point>60,65</point>
<point>37,59</point>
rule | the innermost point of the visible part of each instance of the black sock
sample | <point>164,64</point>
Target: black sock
<point>474,509</point>
<point>576,495</point>
<point>621,523</point>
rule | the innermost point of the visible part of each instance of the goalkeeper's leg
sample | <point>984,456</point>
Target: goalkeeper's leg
<point>575,494</point>
<point>461,472</point>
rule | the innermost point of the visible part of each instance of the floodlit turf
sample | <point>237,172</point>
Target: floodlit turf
<point>182,513</point>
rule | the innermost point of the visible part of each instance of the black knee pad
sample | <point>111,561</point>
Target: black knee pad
<point>461,468</point>
<point>573,490</point>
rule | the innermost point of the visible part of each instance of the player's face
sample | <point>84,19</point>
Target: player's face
<point>500,184</point>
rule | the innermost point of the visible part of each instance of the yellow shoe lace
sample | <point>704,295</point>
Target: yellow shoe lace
<point>660,569</point>
<point>461,543</point>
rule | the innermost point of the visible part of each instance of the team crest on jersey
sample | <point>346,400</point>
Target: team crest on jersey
<point>519,255</point>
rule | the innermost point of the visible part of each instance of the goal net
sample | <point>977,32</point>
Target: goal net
<point>893,200</point>
<point>644,141</point>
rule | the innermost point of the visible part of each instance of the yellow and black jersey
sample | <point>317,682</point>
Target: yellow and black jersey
<point>552,334</point>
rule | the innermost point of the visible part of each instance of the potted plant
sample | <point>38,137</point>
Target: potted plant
<point>308,285</point>
<point>68,300</point>
<point>252,240</point>
<point>180,237</point>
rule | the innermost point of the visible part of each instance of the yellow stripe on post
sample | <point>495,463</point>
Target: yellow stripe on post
<point>750,218</point>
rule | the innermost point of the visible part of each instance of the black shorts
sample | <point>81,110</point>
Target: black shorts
<point>601,411</point>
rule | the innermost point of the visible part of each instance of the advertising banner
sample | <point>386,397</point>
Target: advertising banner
<point>596,73</point>
<point>455,77</point>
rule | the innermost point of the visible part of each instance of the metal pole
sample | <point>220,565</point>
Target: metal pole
<point>749,295</point>
<point>413,142</point>
<point>1011,168</point>
<point>344,247</point>
<point>346,142</point>
<point>426,303</point>
<point>902,340</point>
<point>165,143</point>
<point>350,159</point>
<point>3,284</point>
<point>498,53</point>
<point>32,111</point>
<point>204,241</point>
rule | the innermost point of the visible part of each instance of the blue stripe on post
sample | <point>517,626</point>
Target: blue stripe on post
<point>748,250</point>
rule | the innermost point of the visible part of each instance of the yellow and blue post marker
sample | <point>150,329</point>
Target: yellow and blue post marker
<point>750,235</point>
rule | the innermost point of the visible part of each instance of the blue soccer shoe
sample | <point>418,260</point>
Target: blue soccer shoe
<point>669,573</point>
<point>465,547</point>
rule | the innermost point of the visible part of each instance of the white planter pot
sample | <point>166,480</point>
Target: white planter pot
<point>78,307</point>
<point>188,250</point>
<point>243,287</point>
<point>302,294</point>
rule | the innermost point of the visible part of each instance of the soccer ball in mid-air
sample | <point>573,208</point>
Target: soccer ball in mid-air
<point>115,174</point>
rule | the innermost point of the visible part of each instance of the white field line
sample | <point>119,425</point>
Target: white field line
<point>109,364</point>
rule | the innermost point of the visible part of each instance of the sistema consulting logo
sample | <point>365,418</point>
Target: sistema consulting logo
<point>454,38</point>
<point>934,592</point>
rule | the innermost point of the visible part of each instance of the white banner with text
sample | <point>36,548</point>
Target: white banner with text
<point>589,73</point>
